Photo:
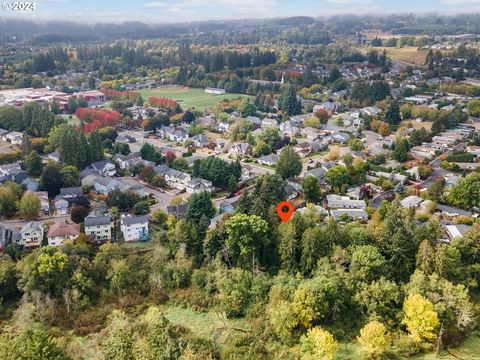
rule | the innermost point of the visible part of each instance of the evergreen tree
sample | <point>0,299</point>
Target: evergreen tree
<point>70,148</point>
<point>26,144</point>
<point>139,101</point>
<point>33,164</point>
<point>95,147</point>
<point>392,115</point>
<point>289,102</point>
<point>51,179</point>
<point>200,205</point>
<point>289,164</point>
<point>84,151</point>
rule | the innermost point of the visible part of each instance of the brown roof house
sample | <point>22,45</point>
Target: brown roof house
<point>61,231</point>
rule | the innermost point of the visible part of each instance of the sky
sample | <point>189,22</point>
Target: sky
<point>178,11</point>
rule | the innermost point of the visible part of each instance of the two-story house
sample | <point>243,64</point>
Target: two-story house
<point>31,234</point>
<point>199,185</point>
<point>134,228</point>
<point>61,231</point>
<point>99,228</point>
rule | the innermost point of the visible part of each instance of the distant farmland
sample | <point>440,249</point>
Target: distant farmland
<point>189,97</point>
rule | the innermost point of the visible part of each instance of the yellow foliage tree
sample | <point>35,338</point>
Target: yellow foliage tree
<point>334,153</point>
<point>318,344</point>
<point>421,320</point>
<point>374,340</point>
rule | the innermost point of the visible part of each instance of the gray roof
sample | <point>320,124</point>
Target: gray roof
<point>100,165</point>
<point>129,220</point>
<point>162,169</point>
<point>76,190</point>
<point>92,220</point>
<point>453,210</point>
<point>34,225</point>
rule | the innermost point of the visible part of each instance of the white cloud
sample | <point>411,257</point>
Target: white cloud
<point>459,2</point>
<point>155,5</point>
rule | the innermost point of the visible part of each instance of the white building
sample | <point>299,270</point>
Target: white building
<point>215,91</point>
<point>31,234</point>
<point>199,185</point>
<point>134,228</point>
<point>61,231</point>
<point>98,228</point>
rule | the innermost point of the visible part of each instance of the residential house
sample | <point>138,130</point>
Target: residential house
<point>223,127</point>
<point>310,133</point>
<point>247,173</point>
<point>453,231</point>
<point>289,128</point>
<point>14,137</point>
<point>269,160</point>
<point>371,111</point>
<point>255,120</point>
<point>30,184</point>
<point>411,202</point>
<point>303,149</point>
<point>318,173</point>
<point>99,228</point>
<point>475,150</point>
<point>222,146</point>
<point>267,122</point>
<point>105,185</point>
<point>125,139</point>
<point>54,156</point>
<point>334,202</point>
<point>179,211</point>
<point>292,190</point>
<point>240,150</point>
<point>62,231</point>
<point>125,162</point>
<point>44,203</point>
<point>452,211</point>
<point>71,194</point>
<point>356,214</point>
<point>8,236</point>
<point>31,234</point>
<point>3,134</point>
<point>200,140</point>
<point>333,107</point>
<point>165,131</point>
<point>199,185</point>
<point>178,136</point>
<point>61,205</point>
<point>104,168</point>
<point>134,228</point>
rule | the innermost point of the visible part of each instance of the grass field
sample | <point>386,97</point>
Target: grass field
<point>417,125</point>
<point>189,97</point>
<point>205,325</point>
<point>406,54</point>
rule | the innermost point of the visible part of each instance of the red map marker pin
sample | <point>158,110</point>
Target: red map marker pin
<point>285,216</point>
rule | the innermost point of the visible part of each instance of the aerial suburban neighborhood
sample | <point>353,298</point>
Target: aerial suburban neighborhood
<point>142,168</point>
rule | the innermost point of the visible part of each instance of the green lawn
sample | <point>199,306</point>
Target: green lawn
<point>470,349</point>
<point>189,97</point>
<point>202,325</point>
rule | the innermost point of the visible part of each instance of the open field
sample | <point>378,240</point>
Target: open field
<point>205,325</point>
<point>189,97</point>
<point>407,54</point>
<point>417,125</point>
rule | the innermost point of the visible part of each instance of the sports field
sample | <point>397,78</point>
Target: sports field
<point>189,97</point>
